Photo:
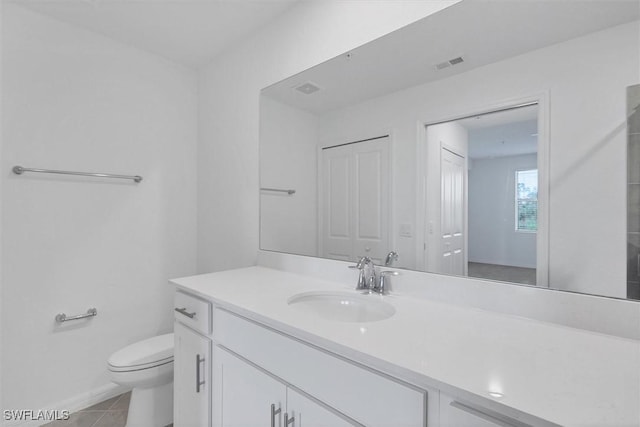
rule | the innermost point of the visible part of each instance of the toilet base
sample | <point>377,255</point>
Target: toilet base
<point>151,407</point>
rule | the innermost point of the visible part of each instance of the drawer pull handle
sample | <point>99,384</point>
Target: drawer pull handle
<point>198,382</point>
<point>506,422</point>
<point>288,420</point>
<point>184,311</point>
<point>274,412</point>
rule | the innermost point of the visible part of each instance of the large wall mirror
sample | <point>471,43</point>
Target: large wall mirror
<point>487,140</point>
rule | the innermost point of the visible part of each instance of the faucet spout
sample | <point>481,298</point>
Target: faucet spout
<point>362,262</point>
<point>367,277</point>
<point>391,256</point>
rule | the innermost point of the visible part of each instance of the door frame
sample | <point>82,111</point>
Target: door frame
<point>542,234</point>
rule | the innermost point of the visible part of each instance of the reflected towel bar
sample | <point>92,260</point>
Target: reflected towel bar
<point>278,190</point>
<point>61,318</point>
<point>19,170</point>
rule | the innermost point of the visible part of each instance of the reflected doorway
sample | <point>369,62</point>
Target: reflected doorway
<point>481,216</point>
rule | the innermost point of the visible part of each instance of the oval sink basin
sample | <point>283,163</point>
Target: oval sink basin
<point>343,306</point>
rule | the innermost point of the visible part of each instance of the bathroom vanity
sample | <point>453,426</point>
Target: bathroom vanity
<point>260,346</point>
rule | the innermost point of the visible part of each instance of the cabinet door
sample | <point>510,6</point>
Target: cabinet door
<point>192,378</point>
<point>244,394</point>
<point>307,413</point>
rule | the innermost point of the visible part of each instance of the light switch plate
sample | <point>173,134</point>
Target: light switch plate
<point>406,230</point>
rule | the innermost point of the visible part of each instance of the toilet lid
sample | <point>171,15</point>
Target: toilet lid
<point>143,354</point>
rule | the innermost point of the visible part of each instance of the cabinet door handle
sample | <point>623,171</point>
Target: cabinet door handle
<point>184,311</point>
<point>288,420</point>
<point>506,422</point>
<point>199,383</point>
<point>274,412</point>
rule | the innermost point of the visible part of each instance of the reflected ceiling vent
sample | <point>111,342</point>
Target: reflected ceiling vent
<point>307,88</point>
<point>449,63</point>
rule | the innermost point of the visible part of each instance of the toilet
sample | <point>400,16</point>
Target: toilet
<point>147,368</point>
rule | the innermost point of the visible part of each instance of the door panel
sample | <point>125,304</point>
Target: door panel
<point>191,403</point>
<point>372,199</point>
<point>355,199</point>
<point>337,234</point>
<point>246,394</point>
<point>452,206</point>
<point>307,413</point>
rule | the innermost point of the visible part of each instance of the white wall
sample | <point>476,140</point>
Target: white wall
<point>492,235</point>
<point>585,79</point>
<point>1,210</point>
<point>310,33</point>
<point>74,100</point>
<point>288,221</point>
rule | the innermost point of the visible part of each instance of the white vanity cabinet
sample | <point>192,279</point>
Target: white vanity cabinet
<point>267,367</point>
<point>233,369</point>
<point>430,364</point>
<point>248,396</point>
<point>192,362</point>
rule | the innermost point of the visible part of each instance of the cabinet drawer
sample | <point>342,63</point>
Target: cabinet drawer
<point>370,398</point>
<point>193,312</point>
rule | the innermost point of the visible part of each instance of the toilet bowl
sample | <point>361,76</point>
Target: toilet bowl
<point>147,368</point>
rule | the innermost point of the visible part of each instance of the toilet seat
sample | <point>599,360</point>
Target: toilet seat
<point>146,354</point>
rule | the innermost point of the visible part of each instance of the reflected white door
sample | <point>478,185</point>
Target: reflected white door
<point>337,234</point>
<point>445,207</point>
<point>452,174</point>
<point>355,186</point>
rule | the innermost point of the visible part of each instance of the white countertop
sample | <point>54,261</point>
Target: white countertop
<point>563,375</point>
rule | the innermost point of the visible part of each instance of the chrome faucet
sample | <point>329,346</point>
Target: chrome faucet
<point>367,277</point>
<point>368,280</point>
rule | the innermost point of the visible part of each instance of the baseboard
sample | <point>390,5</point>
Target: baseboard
<point>72,404</point>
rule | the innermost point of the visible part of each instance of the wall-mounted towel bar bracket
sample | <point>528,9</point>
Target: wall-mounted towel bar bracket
<point>61,318</point>
<point>19,170</point>
<point>277,190</point>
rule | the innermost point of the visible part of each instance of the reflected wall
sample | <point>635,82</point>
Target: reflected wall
<point>581,84</point>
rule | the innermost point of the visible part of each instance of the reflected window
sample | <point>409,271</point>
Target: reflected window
<point>527,200</point>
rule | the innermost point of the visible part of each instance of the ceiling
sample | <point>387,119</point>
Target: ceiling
<point>480,31</point>
<point>191,32</point>
<point>503,133</point>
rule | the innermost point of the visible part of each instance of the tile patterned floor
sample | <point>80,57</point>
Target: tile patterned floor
<point>109,413</point>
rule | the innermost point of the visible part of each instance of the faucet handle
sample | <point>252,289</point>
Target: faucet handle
<point>382,286</point>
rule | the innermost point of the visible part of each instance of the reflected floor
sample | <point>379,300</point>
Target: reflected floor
<point>503,273</point>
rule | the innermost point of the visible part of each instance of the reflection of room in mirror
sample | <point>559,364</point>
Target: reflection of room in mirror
<point>567,234</point>
<point>633,192</point>
<point>483,220</point>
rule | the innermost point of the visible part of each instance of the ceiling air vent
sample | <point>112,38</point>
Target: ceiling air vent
<point>307,88</point>
<point>449,63</point>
